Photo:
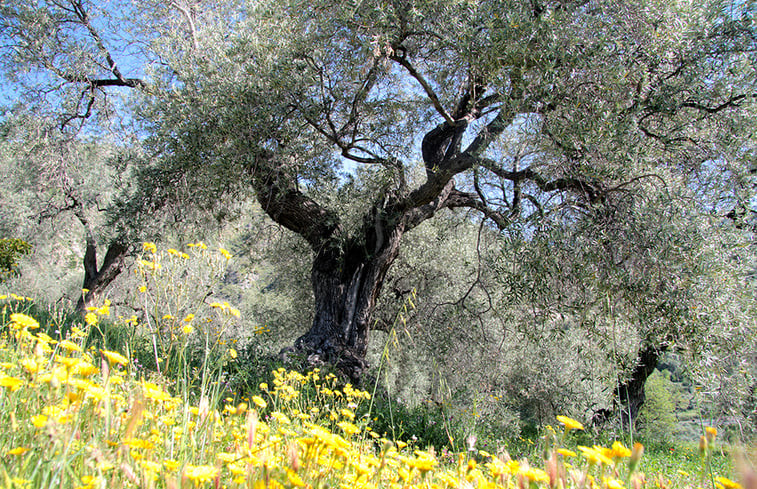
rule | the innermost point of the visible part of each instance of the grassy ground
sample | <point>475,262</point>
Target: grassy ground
<point>683,465</point>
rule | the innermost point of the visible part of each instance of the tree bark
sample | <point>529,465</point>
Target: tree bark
<point>631,393</point>
<point>97,280</point>
<point>347,279</point>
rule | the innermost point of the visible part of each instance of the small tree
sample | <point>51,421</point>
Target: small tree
<point>54,175</point>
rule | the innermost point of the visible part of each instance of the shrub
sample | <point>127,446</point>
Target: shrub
<point>10,250</point>
<point>657,419</point>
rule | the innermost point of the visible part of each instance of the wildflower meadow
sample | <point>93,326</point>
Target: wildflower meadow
<point>80,414</point>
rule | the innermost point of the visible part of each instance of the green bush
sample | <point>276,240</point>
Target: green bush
<point>657,420</point>
<point>10,250</point>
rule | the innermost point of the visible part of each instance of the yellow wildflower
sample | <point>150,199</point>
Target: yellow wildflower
<point>58,374</point>
<point>114,357</point>
<point>154,392</point>
<point>423,463</point>
<point>259,402</point>
<point>70,346</point>
<point>137,443</point>
<point>200,473</point>
<point>280,417</point>
<point>620,451</point>
<point>150,465</point>
<point>24,321</point>
<point>534,475</point>
<point>57,413</point>
<point>570,423</point>
<point>496,467</point>
<point>348,427</point>
<point>17,451</point>
<point>96,392</point>
<point>612,483</point>
<point>89,482</point>
<point>104,310</point>
<point>84,369</point>
<point>39,421</point>
<point>151,265</point>
<point>43,338</point>
<point>30,365</point>
<point>448,479</point>
<point>78,333</point>
<point>727,483</point>
<point>566,453</point>
<point>12,383</point>
<point>595,456</point>
<point>294,479</point>
<point>225,253</point>
<point>150,247</point>
<point>226,457</point>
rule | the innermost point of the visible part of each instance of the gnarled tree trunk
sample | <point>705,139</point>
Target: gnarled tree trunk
<point>346,283</point>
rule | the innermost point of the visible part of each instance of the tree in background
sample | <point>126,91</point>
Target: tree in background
<point>69,140</point>
<point>52,176</point>
<point>62,124</point>
<point>641,278</point>
<point>658,418</point>
<point>527,113</point>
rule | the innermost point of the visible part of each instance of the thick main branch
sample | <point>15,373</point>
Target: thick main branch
<point>289,207</point>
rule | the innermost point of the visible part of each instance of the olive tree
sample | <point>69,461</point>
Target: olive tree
<point>60,188</point>
<point>69,137</point>
<point>63,123</point>
<point>646,273</point>
<point>515,110</point>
